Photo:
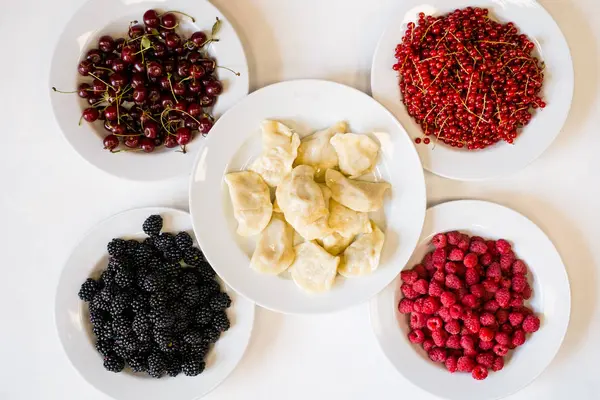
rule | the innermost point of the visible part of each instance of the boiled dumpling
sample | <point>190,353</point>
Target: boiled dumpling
<point>275,249</point>
<point>335,243</point>
<point>357,154</point>
<point>316,151</point>
<point>315,229</point>
<point>251,201</point>
<point>362,256</point>
<point>300,196</point>
<point>280,148</point>
<point>346,221</point>
<point>314,269</point>
<point>357,195</point>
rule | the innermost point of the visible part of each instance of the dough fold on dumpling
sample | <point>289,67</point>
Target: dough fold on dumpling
<point>362,256</point>
<point>357,195</point>
<point>357,154</point>
<point>274,251</point>
<point>280,148</point>
<point>251,201</point>
<point>316,150</point>
<point>346,221</point>
<point>315,229</point>
<point>314,269</point>
<point>335,243</point>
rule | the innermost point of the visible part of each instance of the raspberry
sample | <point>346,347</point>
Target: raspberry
<point>439,276</point>
<point>453,237</point>
<point>526,292</point>
<point>460,270</point>
<point>487,319</point>
<point>418,305</point>
<point>428,344</point>
<point>472,324</point>
<point>421,271</point>
<point>491,306</point>
<point>515,318</point>
<point>447,299</point>
<point>409,276</point>
<point>460,293</point>
<point>456,254</point>
<point>439,257</point>
<point>516,300</point>
<point>506,261</point>
<point>518,337</point>
<point>430,305</point>
<point>477,290</point>
<point>485,359</point>
<point>500,350</point>
<point>493,271</point>
<point>467,342</point>
<point>503,297</point>
<point>491,245</point>
<point>437,355</point>
<point>453,282</point>
<point>479,372</point>
<point>421,286</point>
<point>501,316</point>
<point>498,364</point>
<point>464,242</point>
<point>519,267</point>
<point>485,346</point>
<point>506,283</point>
<point>450,267</point>
<point>486,334</point>
<point>486,259</point>
<point>519,282</point>
<point>502,338</point>
<point>444,314</point>
<point>472,276</point>
<point>417,320</point>
<point>416,336</point>
<point>477,238</point>
<point>451,364</point>
<point>408,291</point>
<point>507,328</point>
<point>435,289</point>
<point>439,241</point>
<point>471,260</point>
<point>465,364</point>
<point>453,342</point>
<point>456,311</point>
<point>503,246</point>
<point>405,306</point>
<point>428,261</point>
<point>490,286</point>
<point>478,246</point>
<point>452,327</point>
<point>434,323</point>
<point>531,323</point>
<point>439,337</point>
<point>470,301</point>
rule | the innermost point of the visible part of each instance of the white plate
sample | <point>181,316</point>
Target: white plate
<point>551,301</point>
<point>306,105</point>
<point>97,18</point>
<point>74,330</point>
<point>532,19</point>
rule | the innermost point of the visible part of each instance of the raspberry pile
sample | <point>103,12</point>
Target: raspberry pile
<point>157,307</point>
<point>468,81</point>
<point>465,303</point>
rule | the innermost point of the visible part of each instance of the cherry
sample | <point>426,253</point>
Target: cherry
<point>195,87</point>
<point>170,141</point>
<point>194,57</point>
<point>205,124</point>
<point>135,31</point>
<point>168,21</point>
<point>111,142</point>
<point>94,56</point>
<point>147,145</point>
<point>169,65</point>
<point>164,82</point>
<point>154,69</point>
<point>111,113</point>
<point>98,86</point>
<point>183,68</point>
<point>108,61</point>
<point>160,50</point>
<point>150,129</point>
<point>207,100</point>
<point>118,65</point>
<point>179,88</point>
<point>194,109</point>
<point>213,88</point>
<point>128,54</point>
<point>166,100</point>
<point>106,44</point>
<point>184,136</point>
<point>93,100</point>
<point>139,94</point>
<point>172,40</point>
<point>108,126</point>
<point>190,98</point>
<point>180,105</point>
<point>132,141</point>
<point>91,114</point>
<point>85,67</point>
<point>119,129</point>
<point>151,19</point>
<point>139,66</point>
<point>199,38</point>
<point>137,79</point>
<point>208,64</point>
<point>197,72</point>
<point>118,80</point>
<point>191,123</point>
<point>119,43</point>
<point>180,51</point>
<point>84,90</point>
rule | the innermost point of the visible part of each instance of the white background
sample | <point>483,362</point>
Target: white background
<point>49,198</point>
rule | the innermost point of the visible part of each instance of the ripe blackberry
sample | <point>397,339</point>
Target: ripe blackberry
<point>145,343</point>
<point>173,366</point>
<point>103,331</point>
<point>193,256</point>
<point>149,241</point>
<point>203,315</point>
<point>220,301</point>
<point>104,346</point>
<point>153,282</point>
<point>169,346</point>
<point>120,302</point>
<point>206,271</point>
<point>164,241</point>
<point>211,334</point>
<point>121,326</point>
<point>183,240</point>
<point>116,263</point>
<point>213,286</point>
<point>98,317</point>
<point>109,292</point>
<point>192,366</point>
<point>140,304</point>
<point>141,324</point>
<point>204,294</point>
<point>190,296</point>
<point>161,319</point>
<point>142,255</point>
<point>158,301</point>
<point>152,225</point>
<point>131,247</point>
<point>180,325</point>
<point>199,350</point>
<point>156,365</point>
<point>221,322</point>
<point>138,363</point>
<point>121,351</point>
<point>193,337</point>
<point>129,342</point>
<point>116,247</point>
<point>188,277</point>
<point>114,363</point>
<point>107,277</point>
<point>173,254</point>
<point>170,269</point>
<point>124,277</point>
<point>88,290</point>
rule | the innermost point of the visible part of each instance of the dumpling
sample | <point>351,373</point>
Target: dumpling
<point>346,221</point>
<point>335,243</point>
<point>251,201</point>
<point>318,228</point>
<point>357,195</point>
<point>314,269</point>
<point>275,249</point>
<point>280,148</point>
<point>362,256</point>
<point>300,196</point>
<point>316,151</point>
<point>357,154</point>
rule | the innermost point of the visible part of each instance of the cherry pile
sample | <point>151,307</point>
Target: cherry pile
<point>152,88</point>
<point>468,81</point>
<point>465,303</point>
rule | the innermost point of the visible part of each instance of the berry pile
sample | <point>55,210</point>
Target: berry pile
<point>468,81</point>
<point>465,303</point>
<point>152,88</point>
<point>157,307</point>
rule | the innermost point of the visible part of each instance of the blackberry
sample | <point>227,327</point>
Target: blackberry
<point>141,324</point>
<point>199,350</point>
<point>161,319</point>
<point>205,271</point>
<point>193,337</point>
<point>203,315</point>
<point>211,334</point>
<point>213,286</point>
<point>153,282</point>
<point>116,247</point>
<point>145,343</point>
<point>129,343</point>
<point>180,325</point>
<point>190,296</point>
<point>99,317</point>
<point>99,304</point>
<point>221,322</point>
<point>138,363</point>
<point>121,326</point>
<point>174,288</point>
<point>188,277</point>
<point>183,240</point>
<point>170,269</point>
<point>104,346</point>
<point>103,331</point>
<point>158,301</point>
<point>121,351</point>
<point>114,363</point>
<point>124,277</point>
<point>88,290</point>
<point>149,241</point>
<point>131,247</point>
<point>173,364</point>
<point>152,225</point>
<point>140,304</point>
<point>142,255</point>
<point>156,365</point>
<point>169,346</point>
<point>192,366</point>
<point>180,311</point>
<point>116,263</point>
<point>109,292</point>
<point>120,302</point>
<point>204,293</point>
<point>193,256</point>
<point>220,301</point>
<point>172,253</point>
<point>107,277</point>
<point>164,241</point>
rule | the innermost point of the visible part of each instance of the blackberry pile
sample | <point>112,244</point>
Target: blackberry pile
<point>157,307</point>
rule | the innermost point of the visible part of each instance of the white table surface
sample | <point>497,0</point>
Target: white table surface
<point>50,197</point>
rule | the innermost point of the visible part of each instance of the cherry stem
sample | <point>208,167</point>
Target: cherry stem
<point>230,70</point>
<point>60,91</point>
<point>107,84</point>
<point>179,12</point>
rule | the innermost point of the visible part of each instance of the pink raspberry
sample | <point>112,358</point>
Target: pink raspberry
<point>501,316</point>
<point>450,267</point>
<point>502,338</point>
<point>527,292</point>
<point>518,337</point>
<point>486,334</point>
<point>416,336</point>
<point>435,289</point>
<point>472,324</point>
<point>453,282</point>
<point>503,246</point>
<point>477,290</point>
<point>464,242</point>
<point>493,271</point>
<point>479,373</point>
<point>428,261</point>
<point>447,299</point>
<point>428,344</point>
<point>477,238</point>
<point>465,364</point>
<point>487,319</point>
<point>421,271</point>
<point>467,342</point>
<point>453,342</point>
<point>451,364</point>
<point>506,328</point>
<point>453,237</point>
<point>453,327</point>
<point>486,259</point>
<point>405,306</point>
<point>421,286</point>
<point>417,320</point>
<point>470,301</point>
<point>434,323</point>
<point>439,276</point>
<point>506,283</point>
<point>439,257</point>
<point>409,276</point>
<point>472,276</point>
<point>516,300</point>
<point>456,311</point>
<point>437,354</point>
<point>491,245</point>
<point>430,305</point>
<point>486,346</point>
<point>515,318</point>
<point>531,323</point>
<point>519,267</point>
<point>471,260</point>
<point>503,297</point>
<point>506,261</point>
<point>490,286</point>
<point>519,282</point>
<point>486,359</point>
<point>408,291</point>
<point>456,254</point>
<point>439,337</point>
<point>439,241</point>
<point>478,246</point>
<point>491,306</point>
<point>500,350</point>
<point>444,314</point>
<point>460,293</point>
<point>418,305</point>
<point>498,364</point>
